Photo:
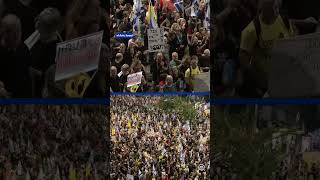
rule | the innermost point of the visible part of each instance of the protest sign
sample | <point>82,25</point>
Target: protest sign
<point>155,40</point>
<point>130,177</point>
<point>201,82</point>
<point>134,79</point>
<point>78,55</point>
<point>295,67</point>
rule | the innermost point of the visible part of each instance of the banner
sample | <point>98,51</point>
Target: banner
<point>134,79</point>
<point>295,67</point>
<point>78,55</point>
<point>155,40</point>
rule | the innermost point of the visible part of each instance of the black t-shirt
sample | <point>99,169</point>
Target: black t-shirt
<point>43,55</point>
<point>14,71</point>
<point>123,80</point>
<point>115,84</point>
<point>117,65</point>
<point>204,61</point>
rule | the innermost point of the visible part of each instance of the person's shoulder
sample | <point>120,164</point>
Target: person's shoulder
<point>249,29</point>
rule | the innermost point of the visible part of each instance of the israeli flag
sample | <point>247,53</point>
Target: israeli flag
<point>178,4</point>
<point>207,19</point>
<point>154,171</point>
<point>195,8</point>
<point>137,14</point>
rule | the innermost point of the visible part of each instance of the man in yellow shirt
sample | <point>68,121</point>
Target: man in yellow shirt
<point>191,72</point>
<point>257,41</point>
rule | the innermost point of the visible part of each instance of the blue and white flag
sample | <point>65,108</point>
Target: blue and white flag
<point>136,16</point>
<point>195,8</point>
<point>154,171</point>
<point>206,21</point>
<point>178,4</point>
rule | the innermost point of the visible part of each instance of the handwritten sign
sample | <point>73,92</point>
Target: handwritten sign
<point>134,79</point>
<point>78,55</point>
<point>155,40</point>
<point>295,67</point>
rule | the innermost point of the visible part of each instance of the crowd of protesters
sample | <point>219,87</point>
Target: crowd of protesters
<point>186,40</point>
<point>53,142</point>
<point>149,143</point>
<point>244,33</point>
<point>27,65</point>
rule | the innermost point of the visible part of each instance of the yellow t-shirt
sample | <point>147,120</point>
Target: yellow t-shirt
<point>268,37</point>
<point>194,72</point>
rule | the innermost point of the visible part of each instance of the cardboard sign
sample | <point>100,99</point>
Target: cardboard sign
<point>134,79</point>
<point>130,177</point>
<point>78,55</point>
<point>295,67</point>
<point>155,40</point>
<point>201,82</point>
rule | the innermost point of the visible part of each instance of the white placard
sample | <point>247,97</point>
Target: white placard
<point>295,67</point>
<point>155,40</point>
<point>130,177</point>
<point>134,79</point>
<point>78,55</point>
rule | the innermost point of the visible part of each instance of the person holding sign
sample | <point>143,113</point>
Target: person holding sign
<point>257,40</point>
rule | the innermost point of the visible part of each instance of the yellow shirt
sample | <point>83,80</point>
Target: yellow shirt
<point>194,72</point>
<point>72,174</point>
<point>268,37</point>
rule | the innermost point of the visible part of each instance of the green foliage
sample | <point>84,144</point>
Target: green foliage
<point>180,104</point>
<point>244,149</point>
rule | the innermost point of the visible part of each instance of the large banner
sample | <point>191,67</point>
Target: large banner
<point>78,55</point>
<point>155,40</point>
<point>295,67</point>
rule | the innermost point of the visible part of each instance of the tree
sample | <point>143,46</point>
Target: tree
<point>183,105</point>
<point>245,150</point>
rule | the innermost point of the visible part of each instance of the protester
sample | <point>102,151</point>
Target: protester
<point>15,58</point>
<point>245,33</point>
<point>53,142</point>
<point>180,24</point>
<point>150,143</point>
<point>43,24</point>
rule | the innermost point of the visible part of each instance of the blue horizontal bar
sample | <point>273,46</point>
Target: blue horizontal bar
<point>70,101</point>
<point>266,101</point>
<point>161,93</point>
